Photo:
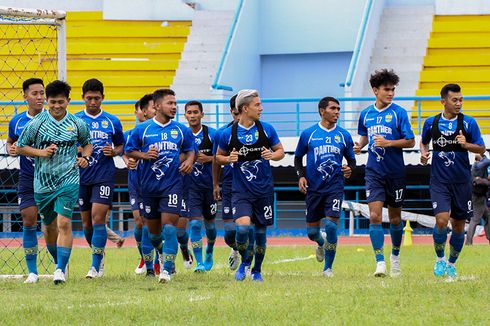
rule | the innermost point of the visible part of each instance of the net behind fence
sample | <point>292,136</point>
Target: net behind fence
<point>28,48</point>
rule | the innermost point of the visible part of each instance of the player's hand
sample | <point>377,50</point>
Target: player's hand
<point>347,171</point>
<point>461,139</point>
<point>108,150</point>
<point>233,158</point>
<point>185,167</point>
<point>380,141</point>
<point>424,158</point>
<point>13,149</point>
<point>266,154</point>
<point>152,153</point>
<point>216,192</point>
<point>82,162</point>
<point>131,163</point>
<point>303,185</point>
<point>49,151</point>
<point>200,157</point>
<point>357,148</point>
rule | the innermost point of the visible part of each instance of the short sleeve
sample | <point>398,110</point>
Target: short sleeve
<point>118,136</point>
<point>224,140</point>
<point>361,128</point>
<point>188,144</point>
<point>405,126</point>
<point>426,131</point>
<point>302,147</point>
<point>475,133</point>
<point>28,134</point>
<point>349,147</point>
<point>273,136</point>
<point>134,141</point>
<point>83,133</point>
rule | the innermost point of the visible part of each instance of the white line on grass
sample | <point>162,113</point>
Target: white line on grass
<point>291,260</point>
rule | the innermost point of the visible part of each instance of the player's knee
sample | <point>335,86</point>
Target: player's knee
<point>313,233</point>
<point>195,225</point>
<point>210,225</point>
<point>375,217</point>
<point>29,218</point>
<point>64,225</point>
<point>242,231</point>
<point>180,232</point>
<point>169,231</point>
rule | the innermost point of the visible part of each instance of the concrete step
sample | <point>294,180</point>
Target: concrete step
<point>399,67</point>
<point>399,51</point>
<point>203,47</point>
<point>389,60</point>
<point>408,10</point>
<point>213,14</point>
<point>196,55</point>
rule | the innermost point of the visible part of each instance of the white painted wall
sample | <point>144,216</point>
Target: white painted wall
<point>147,10</point>
<point>66,5</point>
<point>462,7</point>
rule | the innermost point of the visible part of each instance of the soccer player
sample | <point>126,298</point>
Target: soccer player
<point>225,194</point>
<point>453,135</point>
<point>157,144</point>
<point>201,200</point>
<point>250,144</point>
<point>34,96</point>
<point>385,126</point>
<point>479,173</point>
<point>325,144</point>
<point>52,138</point>
<point>144,110</point>
<point>97,180</point>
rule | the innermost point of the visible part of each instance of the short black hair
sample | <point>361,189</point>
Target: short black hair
<point>161,93</point>
<point>384,77</point>
<point>324,102</point>
<point>455,88</point>
<point>93,85</point>
<point>58,87</point>
<point>31,81</point>
<point>145,100</point>
<point>137,105</point>
<point>199,104</point>
<point>233,102</point>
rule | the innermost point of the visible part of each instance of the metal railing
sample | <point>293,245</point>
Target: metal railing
<point>292,115</point>
<point>290,215</point>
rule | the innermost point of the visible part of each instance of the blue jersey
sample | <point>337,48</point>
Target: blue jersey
<point>324,150</point>
<point>157,177</point>
<point>104,129</point>
<point>254,177</point>
<point>227,170</point>
<point>392,123</point>
<point>132,173</point>
<point>16,125</point>
<point>201,176</point>
<point>451,166</point>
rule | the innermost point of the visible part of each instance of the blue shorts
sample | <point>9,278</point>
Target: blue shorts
<point>260,210</point>
<point>154,206</point>
<point>61,201</point>
<point>202,203</point>
<point>320,205</point>
<point>452,197</point>
<point>25,195</point>
<point>226,202</point>
<point>100,193</point>
<point>388,190</point>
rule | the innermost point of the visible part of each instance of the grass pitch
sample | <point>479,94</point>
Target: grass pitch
<point>294,292</point>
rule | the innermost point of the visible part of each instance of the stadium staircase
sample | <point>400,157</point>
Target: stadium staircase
<point>400,45</point>
<point>458,52</point>
<point>131,58</point>
<point>202,54</point>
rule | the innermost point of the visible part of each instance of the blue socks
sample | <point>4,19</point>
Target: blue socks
<point>138,233</point>
<point>146,248</point>
<point>210,227</point>
<point>396,232</point>
<point>53,250</point>
<point>170,247</point>
<point>314,235</point>
<point>29,242</point>
<point>440,237</point>
<point>331,244</point>
<point>377,240</point>
<point>230,234</point>
<point>456,245</point>
<point>63,257</point>
<point>182,238</point>
<point>156,241</point>
<point>196,239</point>
<point>99,240</point>
<point>89,234</point>
<point>242,240</point>
<point>260,247</point>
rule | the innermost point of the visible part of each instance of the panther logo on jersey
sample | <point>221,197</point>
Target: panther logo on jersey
<point>448,158</point>
<point>160,166</point>
<point>250,169</point>
<point>197,169</point>
<point>93,159</point>
<point>379,152</point>
<point>327,168</point>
